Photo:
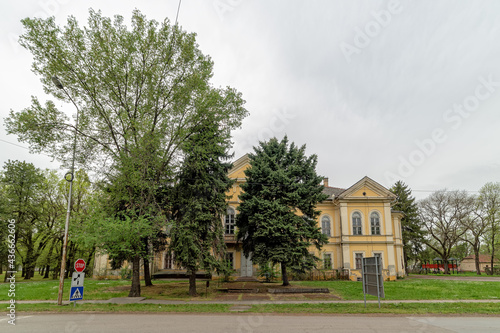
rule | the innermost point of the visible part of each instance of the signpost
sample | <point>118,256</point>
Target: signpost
<point>76,291</point>
<point>80,265</point>
<point>373,282</point>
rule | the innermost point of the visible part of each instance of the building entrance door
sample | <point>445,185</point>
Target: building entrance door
<point>246,266</point>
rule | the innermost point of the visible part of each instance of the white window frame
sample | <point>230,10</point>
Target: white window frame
<point>329,234</point>
<point>360,221</point>
<point>360,262</point>
<point>232,224</point>
<point>379,223</point>
<point>381,254</point>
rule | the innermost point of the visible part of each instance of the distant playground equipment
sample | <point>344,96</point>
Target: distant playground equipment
<point>437,266</point>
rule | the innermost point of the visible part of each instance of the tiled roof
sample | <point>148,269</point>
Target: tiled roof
<point>332,191</point>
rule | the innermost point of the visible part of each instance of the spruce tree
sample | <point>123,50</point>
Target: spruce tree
<point>199,201</point>
<point>410,223</point>
<point>277,216</point>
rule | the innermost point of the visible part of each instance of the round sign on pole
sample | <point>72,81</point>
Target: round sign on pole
<point>79,265</point>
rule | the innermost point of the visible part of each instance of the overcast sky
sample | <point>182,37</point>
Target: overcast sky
<point>392,90</point>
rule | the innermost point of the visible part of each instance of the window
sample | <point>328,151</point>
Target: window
<point>357,259</point>
<point>230,221</point>
<point>327,261</point>
<point>356,223</point>
<point>375,223</point>
<point>379,255</point>
<point>230,260</point>
<point>325,226</point>
<point>169,261</point>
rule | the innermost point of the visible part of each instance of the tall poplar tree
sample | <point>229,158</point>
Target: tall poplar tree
<point>277,216</point>
<point>139,92</point>
<point>200,201</point>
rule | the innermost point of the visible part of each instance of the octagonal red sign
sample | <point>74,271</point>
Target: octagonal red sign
<point>79,265</point>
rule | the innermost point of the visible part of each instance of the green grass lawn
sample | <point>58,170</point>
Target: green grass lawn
<point>398,308</point>
<point>38,289</point>
<point>416,289</point>
<point>407,289</point>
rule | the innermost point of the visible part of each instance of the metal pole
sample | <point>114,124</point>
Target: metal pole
<point>70,193</point>
<point>363,275</point>
<point>378,276</point>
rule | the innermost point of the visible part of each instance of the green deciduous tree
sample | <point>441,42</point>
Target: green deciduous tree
<point>413,233</point>
<point>489,203</point>
<point>277,216</point>
<point>22,184</point>
<point>139,91</point>
<point>200,201</point>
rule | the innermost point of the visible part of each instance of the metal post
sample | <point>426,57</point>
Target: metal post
<point>378,282</point>
<point>363,275</point>
<point>59,85</point>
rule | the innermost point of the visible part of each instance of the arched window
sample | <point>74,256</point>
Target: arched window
<point>356,224</point>
<point>375,223</point>
<point>326,225</point>
<point>229,225</point>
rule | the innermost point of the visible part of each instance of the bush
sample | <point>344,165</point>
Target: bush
<point>268,272</point>
<point>126,274</point>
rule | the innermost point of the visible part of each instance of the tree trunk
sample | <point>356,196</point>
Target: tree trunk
<point>284,275</point>
<point>492,250</point>
<point>29,264</point>
<point>47,271</point>
<point>476,253</point>
<point>88,271</point>
<point>405,258</point>
<point>445,266</point>
<point>192,283</point>
<point>147,273</point>
<point>135,289</point>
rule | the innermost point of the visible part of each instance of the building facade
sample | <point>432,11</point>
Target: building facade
<point>358,221</point>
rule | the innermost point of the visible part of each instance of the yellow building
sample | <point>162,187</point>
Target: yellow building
<point>359,223</point>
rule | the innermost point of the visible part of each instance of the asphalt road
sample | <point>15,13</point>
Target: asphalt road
<point>235,323</point>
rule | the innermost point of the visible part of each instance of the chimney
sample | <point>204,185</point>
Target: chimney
<point>325,182</point>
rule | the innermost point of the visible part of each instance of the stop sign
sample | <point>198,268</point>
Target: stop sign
<point>79,265</point>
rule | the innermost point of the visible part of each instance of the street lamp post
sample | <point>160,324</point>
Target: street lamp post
<point>59,85</point>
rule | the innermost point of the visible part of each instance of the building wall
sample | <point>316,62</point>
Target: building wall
<point>364,197</point>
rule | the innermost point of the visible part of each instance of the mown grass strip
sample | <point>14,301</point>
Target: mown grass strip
<point>196,308</point>
<point>324,308</point>
<point>397,308</point>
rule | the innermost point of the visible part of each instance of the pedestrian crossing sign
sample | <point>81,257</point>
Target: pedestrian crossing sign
<point>76,294</point>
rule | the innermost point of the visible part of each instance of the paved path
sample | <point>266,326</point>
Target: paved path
<point>256,323</point>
